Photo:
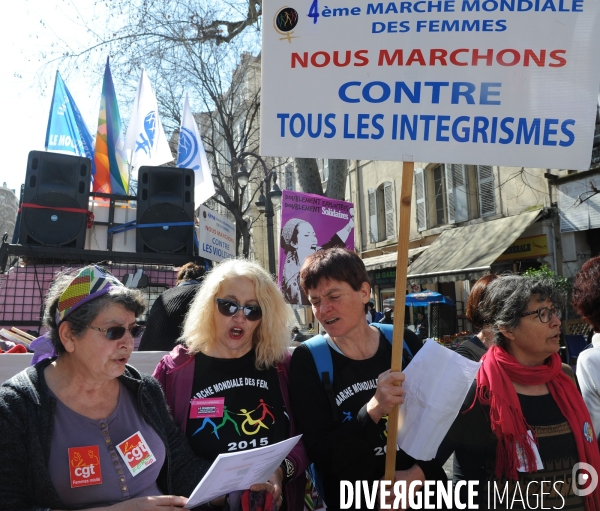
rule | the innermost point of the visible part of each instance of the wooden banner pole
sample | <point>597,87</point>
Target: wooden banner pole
<point>399,307</point>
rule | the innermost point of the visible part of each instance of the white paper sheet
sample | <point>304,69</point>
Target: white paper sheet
<point>240,470</point>
<point>437,382</point>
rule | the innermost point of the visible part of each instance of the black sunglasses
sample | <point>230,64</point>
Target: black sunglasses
<point>229,308</point>
<point>114,333</point>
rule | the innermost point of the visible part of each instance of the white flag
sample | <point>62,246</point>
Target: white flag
<point>146,143</point>
<point>191,155</point>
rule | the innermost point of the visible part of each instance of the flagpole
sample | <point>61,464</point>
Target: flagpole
<point>408,168</point>
<point>128,207</point>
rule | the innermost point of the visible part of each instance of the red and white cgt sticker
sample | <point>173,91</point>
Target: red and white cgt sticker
<point>136,453</point>
<point>84,466</point>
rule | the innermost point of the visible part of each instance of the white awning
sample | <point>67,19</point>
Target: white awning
<point>467,253</point>
<point>389,260</point>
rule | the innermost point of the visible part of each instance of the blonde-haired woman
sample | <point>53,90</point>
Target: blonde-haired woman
<point>227,384</point>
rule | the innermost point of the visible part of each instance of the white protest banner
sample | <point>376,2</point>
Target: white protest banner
<point>492,82</point>
<point>216,236</point>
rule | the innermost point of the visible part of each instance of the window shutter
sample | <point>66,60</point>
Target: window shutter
<point>324,169</point>
<point>461,208</point>
<point>289,178</point>
<point>421,200</point>
<point>450,193</point>
<point>487,197</point>
<point>388,195</point>
<point>373,231</point>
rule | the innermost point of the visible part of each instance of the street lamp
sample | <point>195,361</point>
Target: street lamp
<point>264,205</point>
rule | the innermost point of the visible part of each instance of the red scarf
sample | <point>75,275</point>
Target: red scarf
<point>495,389</point>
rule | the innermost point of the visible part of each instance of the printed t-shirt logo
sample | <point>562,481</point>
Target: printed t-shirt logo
<point>136,453</point>
<point>84,466</point>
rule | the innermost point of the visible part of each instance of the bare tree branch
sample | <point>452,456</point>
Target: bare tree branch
<point>582,197</point>
<point>180,44</point>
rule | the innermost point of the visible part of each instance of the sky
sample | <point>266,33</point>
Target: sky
<point>30,29</point>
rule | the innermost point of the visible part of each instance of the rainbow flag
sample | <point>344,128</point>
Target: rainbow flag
<point>111,174</point>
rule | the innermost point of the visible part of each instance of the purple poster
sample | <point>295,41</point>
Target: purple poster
<point>309,223</point>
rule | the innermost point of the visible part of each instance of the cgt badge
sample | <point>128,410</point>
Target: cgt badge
<point>84,466</point>
<point>136,453</point>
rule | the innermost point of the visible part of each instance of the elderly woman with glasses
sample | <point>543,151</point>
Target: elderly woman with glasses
<point>83,429</point>
<point>524,426</point>
<point>233,363</point>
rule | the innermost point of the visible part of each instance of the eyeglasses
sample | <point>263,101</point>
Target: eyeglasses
<point>545,314</point>
<point>229,308</point>
<point>114,333</point>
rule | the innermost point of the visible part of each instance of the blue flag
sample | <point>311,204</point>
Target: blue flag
<point>67,131</point>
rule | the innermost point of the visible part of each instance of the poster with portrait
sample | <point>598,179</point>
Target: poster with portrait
<point>309,223</point>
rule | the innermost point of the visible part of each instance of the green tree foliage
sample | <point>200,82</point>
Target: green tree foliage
<point>545,272</point>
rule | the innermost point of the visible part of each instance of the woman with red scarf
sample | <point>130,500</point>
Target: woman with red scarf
<point>524,425</point>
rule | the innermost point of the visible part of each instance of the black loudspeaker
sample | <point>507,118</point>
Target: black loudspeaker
<point>58,181</point>
<point>165,195</point>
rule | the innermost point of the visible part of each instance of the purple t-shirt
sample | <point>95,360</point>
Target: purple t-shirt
<point>85,451</point>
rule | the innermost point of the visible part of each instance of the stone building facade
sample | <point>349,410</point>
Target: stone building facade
<point>9,205</point>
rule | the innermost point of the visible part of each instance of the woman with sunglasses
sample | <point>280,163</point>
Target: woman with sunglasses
<point>234,364</point>
<point>83,429</point>
<point>524,425</point>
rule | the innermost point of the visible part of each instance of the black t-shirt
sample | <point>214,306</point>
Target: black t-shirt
<point>353,447</point>
<point>475,456</point>
<point>253,412</point>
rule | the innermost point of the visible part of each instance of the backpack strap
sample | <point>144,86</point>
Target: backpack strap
<point>388,333</point>
<point>472,348</point>
<point>386,330</point>
<point>319,350</point>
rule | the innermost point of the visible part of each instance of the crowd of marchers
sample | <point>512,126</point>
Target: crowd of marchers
<point>86,430</point>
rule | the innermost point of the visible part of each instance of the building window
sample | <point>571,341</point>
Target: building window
<point>240,137</point>
<point>487,192</point>
<point>420,199</point>
<point>382,225</point>
<point>451,193</point>
<point>439,194</point>
<point>388,212</point>
<point>323,169</point>
<point>289,178</point>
